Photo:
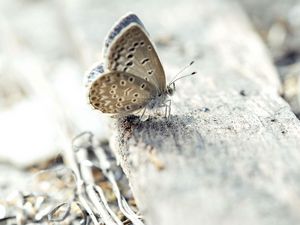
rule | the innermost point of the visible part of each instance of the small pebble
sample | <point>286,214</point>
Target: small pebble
<point>204,109</point>
<point>242,93</point>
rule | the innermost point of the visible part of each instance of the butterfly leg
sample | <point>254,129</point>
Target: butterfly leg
<point>167,106</point>
<point>143,113</point>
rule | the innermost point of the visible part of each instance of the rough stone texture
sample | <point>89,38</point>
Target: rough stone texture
<point>229,154</point>
<point>236,163</point>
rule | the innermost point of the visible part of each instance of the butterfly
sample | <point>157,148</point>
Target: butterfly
<point>131,78</point>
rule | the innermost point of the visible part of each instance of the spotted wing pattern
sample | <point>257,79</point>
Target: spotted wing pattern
<point>120,93</point>
<point>130,50</point>
<point>119,27</point>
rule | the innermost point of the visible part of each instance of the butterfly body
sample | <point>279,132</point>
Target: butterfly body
<point>132,77</point>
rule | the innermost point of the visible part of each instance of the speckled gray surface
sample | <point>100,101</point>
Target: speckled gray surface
<point>238,161</point>
<point>229,153</point>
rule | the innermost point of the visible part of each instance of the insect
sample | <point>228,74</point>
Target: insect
<point>131,78</point>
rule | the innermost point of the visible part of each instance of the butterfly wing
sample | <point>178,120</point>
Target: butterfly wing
<point>93,74</point>
<point>119,92</point>
<point>129,49</point>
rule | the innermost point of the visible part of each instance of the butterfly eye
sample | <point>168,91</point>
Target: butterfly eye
<point>114,86</point>
<point>143,86</point>
<point>112,91</point>
<point>136,95</point>
<point>131,79</point>
<point>128,107</point>
<point>133,100</point>
<point>120,100</point>
<point>149,47</point>
<point>142,43</point>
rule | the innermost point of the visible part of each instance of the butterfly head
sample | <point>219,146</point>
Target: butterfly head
<point>170,89</point>
<point>171,86</point>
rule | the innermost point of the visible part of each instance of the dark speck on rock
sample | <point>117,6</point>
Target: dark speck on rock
<point>204,109</point>
<point>242,93</point>
<point>288,58</point>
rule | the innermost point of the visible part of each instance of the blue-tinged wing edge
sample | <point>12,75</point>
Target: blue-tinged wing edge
<point>122,24</point>
<point>94,73</point>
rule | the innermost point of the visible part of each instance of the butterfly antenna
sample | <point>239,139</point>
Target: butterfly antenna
<point>183,69</point>
<point>173,81</point>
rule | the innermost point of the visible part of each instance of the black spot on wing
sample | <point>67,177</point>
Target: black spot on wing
<point>145,60</point>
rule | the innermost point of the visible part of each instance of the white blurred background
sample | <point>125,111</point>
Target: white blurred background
<point>46,46</point>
